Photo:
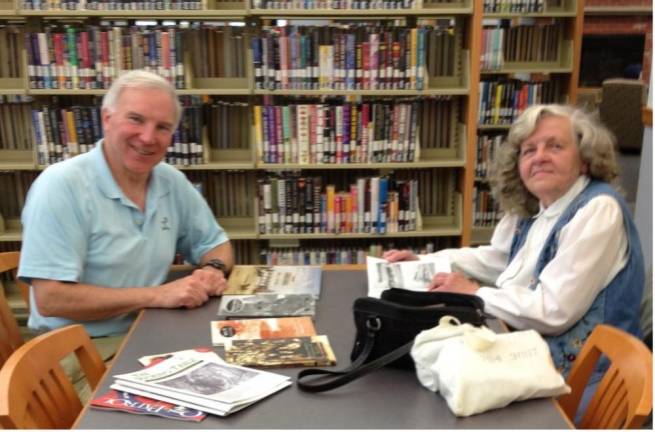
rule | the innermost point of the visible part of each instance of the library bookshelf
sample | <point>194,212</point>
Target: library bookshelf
<point>518,68</point>
<point>218,78</point>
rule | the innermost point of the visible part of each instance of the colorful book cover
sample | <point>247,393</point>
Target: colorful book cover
<point>115,400</point>
<point>297,351</point>
<point>261,328</point>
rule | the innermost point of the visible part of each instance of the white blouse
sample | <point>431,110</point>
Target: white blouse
<point>593,248</point>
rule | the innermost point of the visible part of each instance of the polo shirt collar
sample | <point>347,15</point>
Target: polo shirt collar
<point>158,185</point>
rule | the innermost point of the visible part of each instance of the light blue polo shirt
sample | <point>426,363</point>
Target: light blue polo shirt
<point>78,226</point>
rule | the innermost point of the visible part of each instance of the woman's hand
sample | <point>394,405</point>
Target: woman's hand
<point>395,255</point>
<point>453,282</point>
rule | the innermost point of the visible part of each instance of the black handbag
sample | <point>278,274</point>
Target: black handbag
<point>386,329</point>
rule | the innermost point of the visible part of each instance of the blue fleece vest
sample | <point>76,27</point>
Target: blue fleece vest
<point>617,304</point>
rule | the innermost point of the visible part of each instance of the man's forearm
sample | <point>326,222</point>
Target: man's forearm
<point>88,302</point>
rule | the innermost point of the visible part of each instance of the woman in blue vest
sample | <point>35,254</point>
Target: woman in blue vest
<point>566,255</point>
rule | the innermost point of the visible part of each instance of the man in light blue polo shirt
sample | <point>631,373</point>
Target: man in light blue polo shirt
<point>100,230</point>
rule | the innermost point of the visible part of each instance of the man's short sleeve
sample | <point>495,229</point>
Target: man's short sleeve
<point>54,235</point>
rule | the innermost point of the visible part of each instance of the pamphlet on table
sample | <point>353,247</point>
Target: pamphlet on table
<point>409,275</point>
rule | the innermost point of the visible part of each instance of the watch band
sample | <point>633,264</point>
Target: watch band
<point>217,264</point>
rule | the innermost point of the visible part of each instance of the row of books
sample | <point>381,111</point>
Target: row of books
<point>334,4</point>
<point>336,134</point>
<point>227,124</point>
<point>109,5</point>
<point>333,255</point>
<point>519,43</point>
<point>376,205</point>
<point>10,51</point>
<point>186,146</point>
<point>15,125</point>
<point>486,149</point>
<point>61,133</point>
<point>216,49</point>
<point>91,57</point>
<point>14,187</point>
<point>228,193</point>
<point>378,130</point>
<point>485,208</point>
<point>501,102</point>
<point>517,6</point>
<point>56,5</point>
<point>345,57</point>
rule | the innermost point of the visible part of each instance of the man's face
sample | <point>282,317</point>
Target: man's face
<point>139,131</point>
<point>549,160</point>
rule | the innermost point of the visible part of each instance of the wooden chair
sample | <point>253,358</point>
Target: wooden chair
<point>10,337</point>
<point>9,262</point>
<point>35,393</point>
<point>624,396</point>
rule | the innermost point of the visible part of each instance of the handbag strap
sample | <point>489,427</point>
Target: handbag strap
<point>329,379</point>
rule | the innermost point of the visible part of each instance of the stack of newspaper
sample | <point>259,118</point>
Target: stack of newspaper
<point>202,382</point>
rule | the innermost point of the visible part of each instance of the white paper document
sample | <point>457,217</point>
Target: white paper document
<point>409,275</point>
<point>198,382</point>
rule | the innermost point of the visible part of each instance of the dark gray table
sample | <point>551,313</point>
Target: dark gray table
<point>385,399</point>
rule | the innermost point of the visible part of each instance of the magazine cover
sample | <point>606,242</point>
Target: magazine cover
<point>297,351</point>
<point>248,280</point>
<point>219,387</point>
<point>115,400</point>
<point>260,328</point>
<point>267,305</point>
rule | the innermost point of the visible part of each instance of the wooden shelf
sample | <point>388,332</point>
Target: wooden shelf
<point>547,14</point>
<point>618,10</point>
<point>237,14</point>
<point>237,228</point>
<point>452,91</point>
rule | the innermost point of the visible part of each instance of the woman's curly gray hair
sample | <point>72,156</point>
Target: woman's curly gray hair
<point>595,144</point>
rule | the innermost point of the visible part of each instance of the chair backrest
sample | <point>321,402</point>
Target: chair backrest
<point>10,337</point>
<point>624,396</point>
<point>35,393</point>
<point>620,111</point>
<point>9,262</point>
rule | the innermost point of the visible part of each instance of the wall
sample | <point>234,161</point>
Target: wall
<point>625,23</point>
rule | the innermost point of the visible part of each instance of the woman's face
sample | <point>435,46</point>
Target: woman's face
<point>549,160</point>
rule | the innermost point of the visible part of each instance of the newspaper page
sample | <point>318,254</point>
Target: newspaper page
<point>204,382</point>
<point>409,275</point>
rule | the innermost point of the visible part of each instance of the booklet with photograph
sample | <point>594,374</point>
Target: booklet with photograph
<point>296,351</point>
<point>153,359</point>
<point>409,275</point>
<point>267,305</point>
<point>249,279</point>
<point>115,400</point>
<point>260,328</point>
<point>204,384</point>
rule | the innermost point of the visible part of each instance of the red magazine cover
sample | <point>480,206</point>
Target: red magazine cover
<point>122,401</point>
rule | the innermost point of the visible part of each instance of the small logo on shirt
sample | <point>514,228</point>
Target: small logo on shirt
<point>164,224</point>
